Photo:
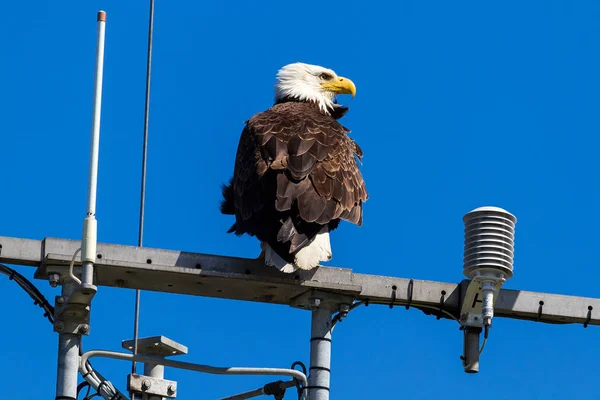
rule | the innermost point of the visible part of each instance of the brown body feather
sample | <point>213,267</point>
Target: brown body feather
<point>295,171</point>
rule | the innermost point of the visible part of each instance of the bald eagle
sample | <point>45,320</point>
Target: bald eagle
<point>296,173</point>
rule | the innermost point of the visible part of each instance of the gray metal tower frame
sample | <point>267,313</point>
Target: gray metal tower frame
<point>324,292</point>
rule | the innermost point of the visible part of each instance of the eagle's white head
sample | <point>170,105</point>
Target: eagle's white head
<point>307,82</point>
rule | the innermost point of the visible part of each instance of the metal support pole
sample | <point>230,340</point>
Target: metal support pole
<point>320,352</point>
<point>471,349</point>
<point>68,365</point>
<point>68,358</point>
<point>154,371</point>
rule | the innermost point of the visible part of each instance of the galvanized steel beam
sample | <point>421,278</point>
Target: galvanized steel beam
<point>248,279</point>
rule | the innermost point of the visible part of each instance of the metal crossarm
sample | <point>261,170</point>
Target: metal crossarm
<point>248,279</point>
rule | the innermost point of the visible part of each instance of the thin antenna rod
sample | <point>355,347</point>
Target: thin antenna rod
<point>143,188</point>
<point>90,225</point>
<point>69,343</point>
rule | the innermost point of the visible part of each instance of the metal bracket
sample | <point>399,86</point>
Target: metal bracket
<point>471,295</point>
<point>160,346</point>
<point>153,382</point>
<point>60,270</point>
<point>149,385</point>
<point>72,314</point>
<point>317,298</point>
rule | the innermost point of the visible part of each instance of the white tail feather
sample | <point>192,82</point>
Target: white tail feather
<point>273,259</point>
<point>319,249</point>
<point>308,257</point>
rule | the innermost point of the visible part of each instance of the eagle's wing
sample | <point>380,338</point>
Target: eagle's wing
<point>293,161</point>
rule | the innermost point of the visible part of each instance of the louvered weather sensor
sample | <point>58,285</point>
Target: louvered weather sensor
<point>488,262</point>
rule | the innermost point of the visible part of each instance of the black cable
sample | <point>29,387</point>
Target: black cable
<point>31,290</point>
<point>116,396</point>
<point>80,388</point>
<point>440,313</point>
<point>299,386</point>
<point>338,316</point>
<point>41,301</point>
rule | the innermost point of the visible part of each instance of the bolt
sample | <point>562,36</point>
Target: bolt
<point>171,389</point>
<point>53,278</point>
<point>59,325</point>
<point>146,384</point>
<point>60,300</point>
<point>85,328</point>
<point>344,309</point>
<point>315,303</point>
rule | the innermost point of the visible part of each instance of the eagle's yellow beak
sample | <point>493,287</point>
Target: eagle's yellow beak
<point>340,85</point>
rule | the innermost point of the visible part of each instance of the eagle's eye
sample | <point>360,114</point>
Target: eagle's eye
<point>325,76</point>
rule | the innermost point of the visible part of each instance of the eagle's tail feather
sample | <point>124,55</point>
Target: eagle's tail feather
<point>273,259</point>
<point>319,249</point>
<point>308,257</point>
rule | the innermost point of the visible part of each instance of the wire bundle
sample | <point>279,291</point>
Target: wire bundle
<point>31,290</point>
<point>93,378</point>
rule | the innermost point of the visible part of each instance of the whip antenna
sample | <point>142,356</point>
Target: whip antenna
<point>143,185</point>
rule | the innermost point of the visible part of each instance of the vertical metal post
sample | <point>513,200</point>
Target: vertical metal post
<point>154,371</point>
<point>68,358</point>
<point>471,349</point>
<point>320,352</point>
<point>68,364</point>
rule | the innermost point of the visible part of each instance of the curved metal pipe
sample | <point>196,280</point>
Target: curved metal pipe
<point>190,366</point>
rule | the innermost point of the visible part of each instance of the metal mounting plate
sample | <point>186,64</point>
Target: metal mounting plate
<point>318,298</point>
<point>156,346</point>
<point>153,386</point>
<point>471,308</point>
<point>72,314</point>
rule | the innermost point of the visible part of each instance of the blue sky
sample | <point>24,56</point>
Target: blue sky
<point>458,105</point>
